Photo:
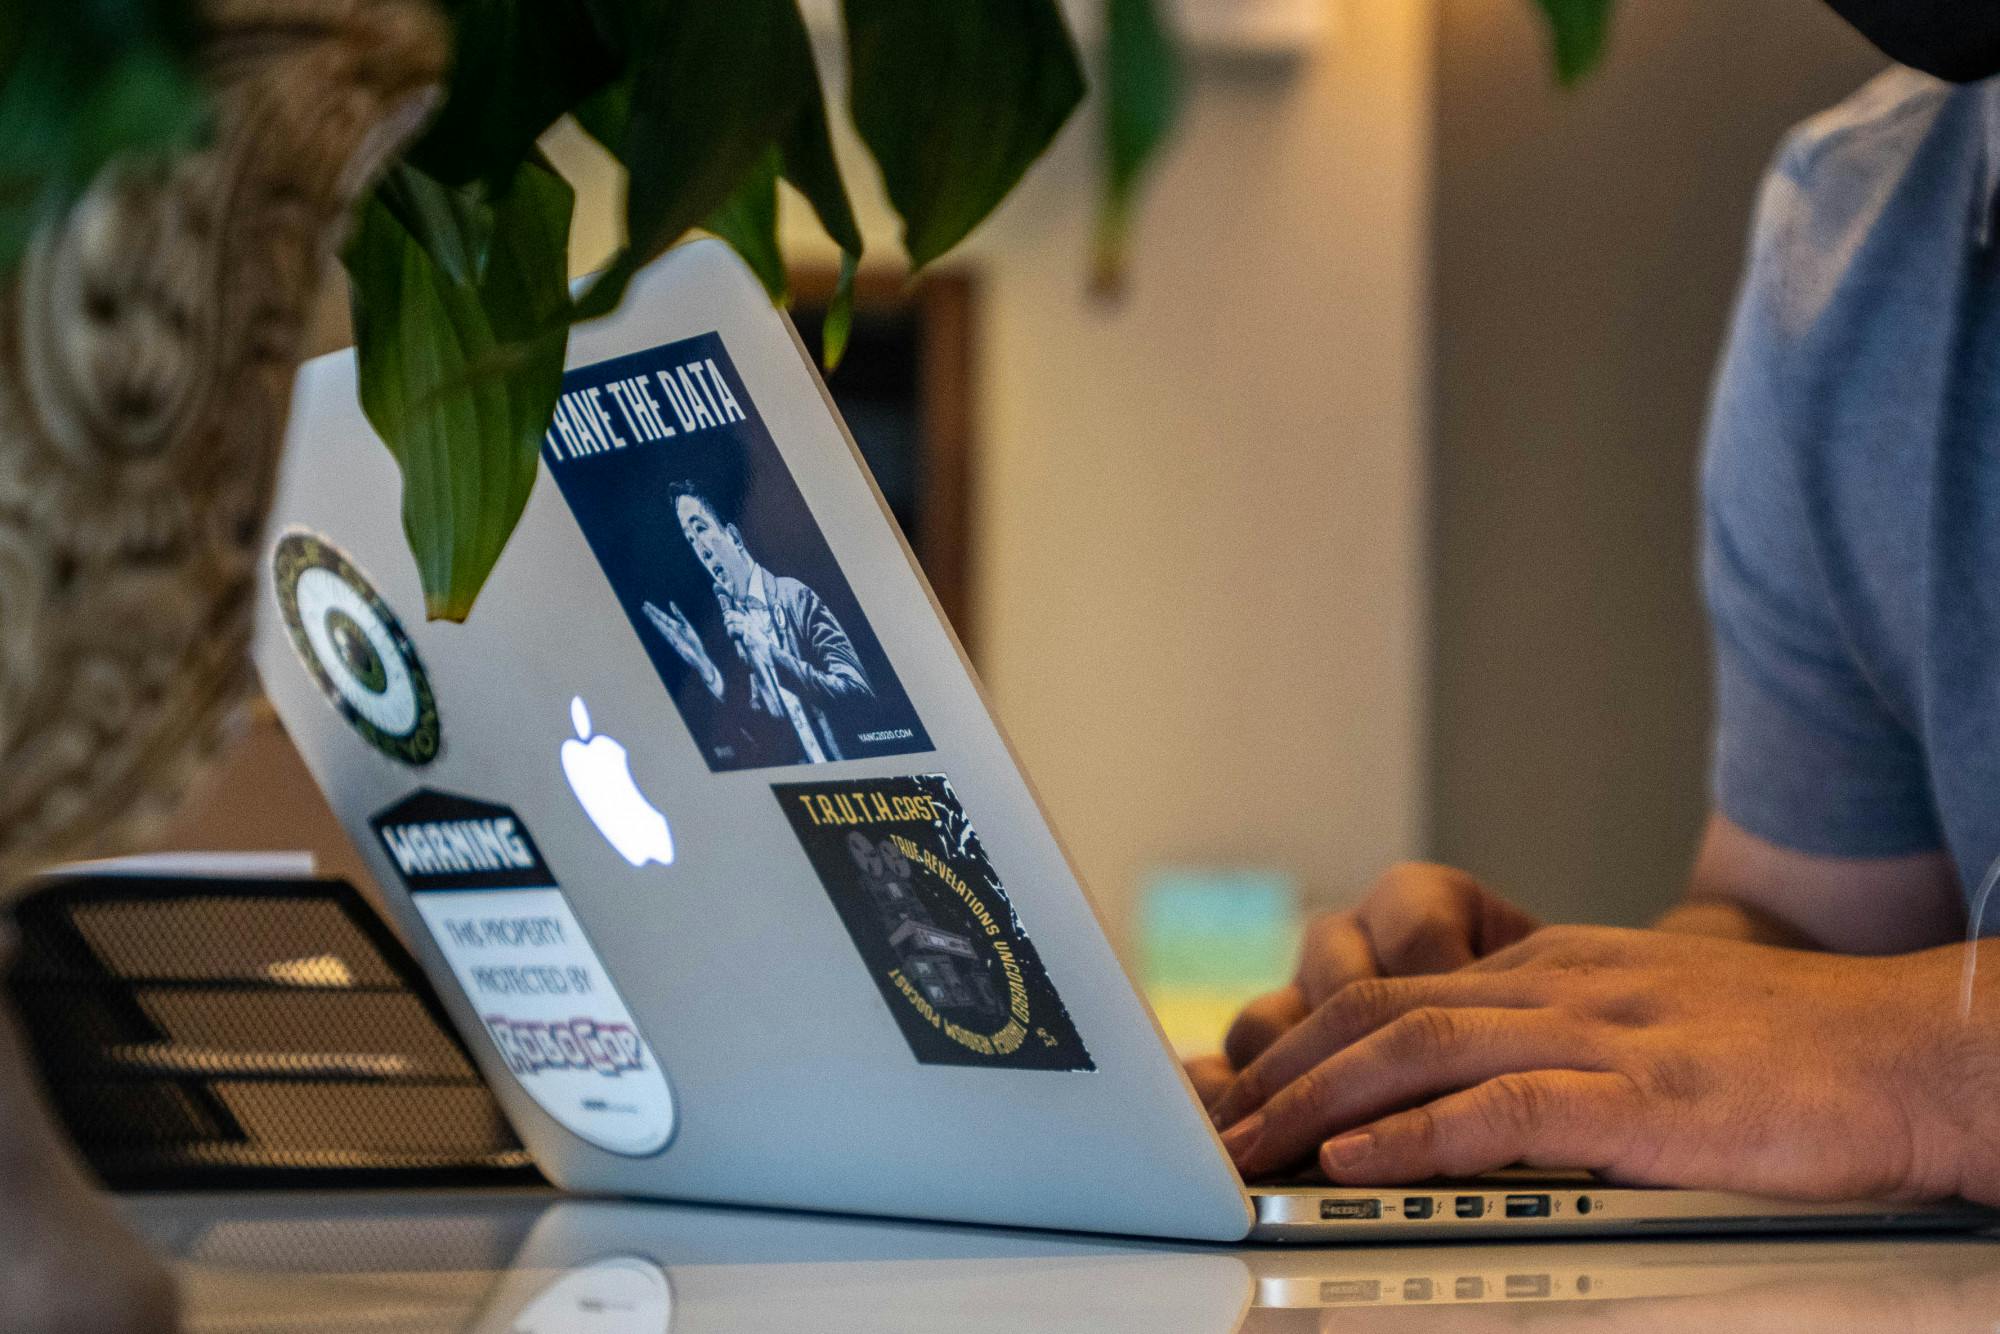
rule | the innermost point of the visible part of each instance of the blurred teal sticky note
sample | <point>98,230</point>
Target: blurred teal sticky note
<point>1221,930</point>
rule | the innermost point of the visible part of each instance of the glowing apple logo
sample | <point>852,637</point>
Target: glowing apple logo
<point>601,776</point>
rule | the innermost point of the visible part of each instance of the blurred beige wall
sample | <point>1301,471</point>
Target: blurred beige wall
<point>1201,574</point>
<point>1199,525</point>
<point>1587,249</point>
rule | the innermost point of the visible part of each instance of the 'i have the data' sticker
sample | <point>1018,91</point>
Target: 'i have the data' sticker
<point>541,992</point>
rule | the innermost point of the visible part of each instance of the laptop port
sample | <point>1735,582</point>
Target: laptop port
<point>1471,1206</point>
<point>1418,1290</point>
<point>1350,1209</point>
<point>1349,1290</point>
<point>1470,1288</point>
<point>1417,1206</point>
<point>1527,1206</point>
<point>1521,1286</point>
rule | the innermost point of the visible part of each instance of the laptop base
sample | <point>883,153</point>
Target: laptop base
<point>1572,1205</point>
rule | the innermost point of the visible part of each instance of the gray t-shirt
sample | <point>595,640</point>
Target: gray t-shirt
<point>1851,544</point>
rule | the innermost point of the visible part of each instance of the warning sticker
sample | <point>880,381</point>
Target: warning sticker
<point>541,992</point>
<point>929,915</point>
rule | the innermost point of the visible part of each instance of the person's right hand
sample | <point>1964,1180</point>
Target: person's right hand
<point>1419,918</point>
<point>674,625</point>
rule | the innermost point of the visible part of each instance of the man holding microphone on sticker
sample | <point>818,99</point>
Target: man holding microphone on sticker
<point>1796,1026</point>
<point>799,664</point>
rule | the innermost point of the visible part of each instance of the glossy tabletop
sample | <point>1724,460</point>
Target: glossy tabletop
<point>516,1263</point>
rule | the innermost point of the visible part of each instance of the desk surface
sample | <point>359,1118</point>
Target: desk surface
<point>534,1263</point>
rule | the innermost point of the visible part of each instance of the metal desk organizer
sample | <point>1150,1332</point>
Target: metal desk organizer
<point>244,1032</point>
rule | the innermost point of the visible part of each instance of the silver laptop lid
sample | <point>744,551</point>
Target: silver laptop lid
<point>813,943</point>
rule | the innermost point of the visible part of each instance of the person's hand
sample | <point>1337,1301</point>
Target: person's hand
<point>1211,1076</point>
<point>678,631</point>
<point>1650,1057</point>
<point>1418,918</point>
<point>751,630</point>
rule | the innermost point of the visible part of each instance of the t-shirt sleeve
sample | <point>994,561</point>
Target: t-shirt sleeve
<point>1807,754</point>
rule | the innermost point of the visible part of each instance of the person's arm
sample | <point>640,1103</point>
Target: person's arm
<point>833,670</point>
<point>1745,888</point>
<point>1834,1064</point>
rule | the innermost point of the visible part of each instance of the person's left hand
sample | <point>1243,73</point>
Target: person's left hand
<point>1651,1057</point>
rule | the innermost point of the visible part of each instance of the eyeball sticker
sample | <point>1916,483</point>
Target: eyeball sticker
<point>355,648</point>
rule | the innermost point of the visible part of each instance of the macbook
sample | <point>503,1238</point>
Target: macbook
<point>709,838</point>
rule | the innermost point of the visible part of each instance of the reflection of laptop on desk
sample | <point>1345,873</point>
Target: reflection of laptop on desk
<point>744,895</point>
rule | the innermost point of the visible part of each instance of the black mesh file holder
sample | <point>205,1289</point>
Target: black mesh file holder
<point>223,1032</point>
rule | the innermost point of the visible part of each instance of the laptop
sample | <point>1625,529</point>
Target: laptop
<point>706,832</point>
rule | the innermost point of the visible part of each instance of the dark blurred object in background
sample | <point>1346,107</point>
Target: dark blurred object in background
<point>222,1032</point>
<point>905,390</point>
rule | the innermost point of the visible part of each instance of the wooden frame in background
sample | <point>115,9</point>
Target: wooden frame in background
<point>944,305</point>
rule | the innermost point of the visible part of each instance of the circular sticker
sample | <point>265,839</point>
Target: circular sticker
<point>355,648</point>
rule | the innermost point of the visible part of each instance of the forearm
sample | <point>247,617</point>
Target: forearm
<point>1707,913</point>
<point>1727,892</point>
<point>1744,888</point>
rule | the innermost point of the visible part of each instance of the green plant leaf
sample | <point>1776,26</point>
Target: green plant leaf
<point>799,149</point>
<point>605,113</point>
<point>809,164</point>
<point>81,83</point>
<point>710,87</point>
<point>517,65</point>
<point>468,443</point>
<point>1577,32</point>
<point>1141,90</point>
<point>452,226</point>
<point>839,321</point>
<point>748,220</point>
<point>955,100</point>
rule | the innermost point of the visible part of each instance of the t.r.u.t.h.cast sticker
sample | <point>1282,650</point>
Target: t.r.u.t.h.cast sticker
<point>931,919</point>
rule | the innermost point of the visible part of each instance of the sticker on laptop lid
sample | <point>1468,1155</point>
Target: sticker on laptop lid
<point>711,550</point>
<point>541,992</point>
<point>931,920</point>
<point>355,648</point>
